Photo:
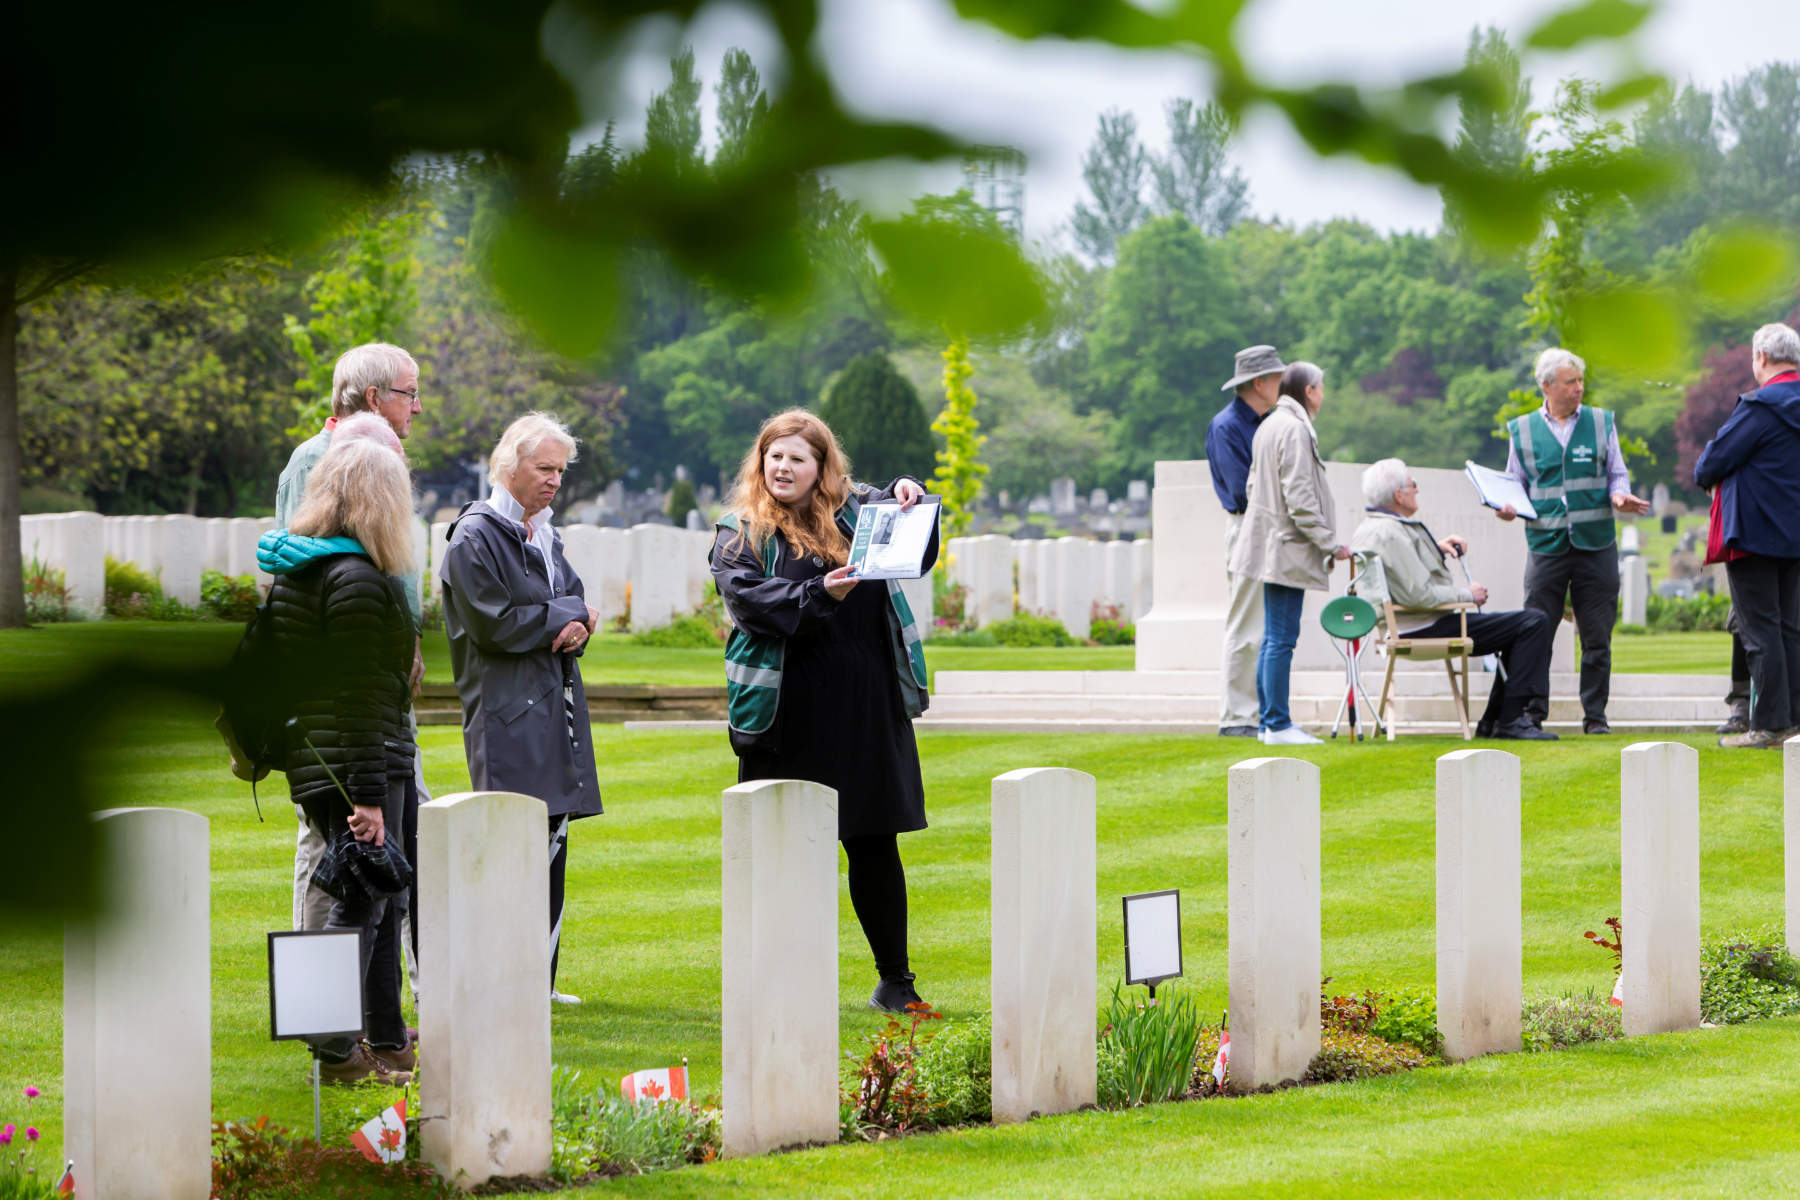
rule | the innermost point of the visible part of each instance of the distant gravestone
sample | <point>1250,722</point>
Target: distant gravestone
<point>1659,499</point>
<point>1669,523</point>
<point>1684,564</point>
<point>1062,496</point>
<point>1628,540</point>
<point>659,575</point>
<point>1138,491</point>
<point>1097,500</point>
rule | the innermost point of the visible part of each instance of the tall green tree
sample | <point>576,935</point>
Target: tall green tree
<point>1494,121</point>
<point>672,126</point>
<point>743,109</point>
<point>1165,339</point>
<point>1113,170</point>
<point>1196,177</point>
<point>876,414</point>
<point>960,470</point>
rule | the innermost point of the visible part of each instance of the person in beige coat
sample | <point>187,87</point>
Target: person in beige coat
<point>1288,539</point>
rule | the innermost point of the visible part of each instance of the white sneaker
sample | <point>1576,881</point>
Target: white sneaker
<point>557,997</point>
<point>1262,735</point>
<point>1293,735</point>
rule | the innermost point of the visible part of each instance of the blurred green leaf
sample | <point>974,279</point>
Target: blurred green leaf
<point>1587,22</point>
<point>1205,23</point>
<point>561,279</point>
<point>1641,328</point>
<point>972,282</point>
<point>1744,267</point>
<point>1630,91</point>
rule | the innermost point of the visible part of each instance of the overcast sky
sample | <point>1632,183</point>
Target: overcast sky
<point>916,59</point>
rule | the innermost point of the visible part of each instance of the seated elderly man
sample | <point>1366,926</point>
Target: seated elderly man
<point>1418,577</point>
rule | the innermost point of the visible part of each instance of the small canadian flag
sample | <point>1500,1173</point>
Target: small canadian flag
<point>657,1084</point>
<point>66,1185</point>
<point>382,1139</point>
<point>1618,996</point>
<point>1223,1059</point>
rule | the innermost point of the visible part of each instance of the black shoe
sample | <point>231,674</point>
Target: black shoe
<point>1595,727</point>
<point>895,992</point>
<point>1484,729</point>
<point>1523,730</point>
<point>1237,731</point>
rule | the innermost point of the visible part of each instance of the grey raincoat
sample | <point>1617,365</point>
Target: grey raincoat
<point>502,614</point>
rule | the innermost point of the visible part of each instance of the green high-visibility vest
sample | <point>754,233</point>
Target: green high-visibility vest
<point>1567,484</point>
<point>754,662</point>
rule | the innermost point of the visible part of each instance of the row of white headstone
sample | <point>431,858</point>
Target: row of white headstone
<point>1065,578</point>
<point>137,984</point>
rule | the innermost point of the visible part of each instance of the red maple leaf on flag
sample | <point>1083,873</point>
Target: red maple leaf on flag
<point>390,1139</point>
<point>653,1090</point>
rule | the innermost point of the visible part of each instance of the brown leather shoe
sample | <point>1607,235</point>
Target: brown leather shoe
<point>362,1064</point>
<point>1754,739</point>
<point>400,1060</point>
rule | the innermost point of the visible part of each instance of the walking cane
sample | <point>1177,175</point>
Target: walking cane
<point>1462,561</point>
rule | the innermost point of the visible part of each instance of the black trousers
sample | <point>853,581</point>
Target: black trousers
<point>1765,592</point>
<point>379,920</point>
<point>878,894</point>
<point>1522,640</point>
<point>1739,695</point>
<point>559,869</point>
<point>1588,580</point>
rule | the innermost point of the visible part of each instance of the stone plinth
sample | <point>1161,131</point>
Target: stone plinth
<point>1184,628</point>
<point>1480,940</point>
<point>1634,589</point>
<point>137,1015</point>
<point>1272,888</point>
<point>1659,825</point>
<point>484,996</point>
<point>1044,953</point>
<point>658,575</point>
<point>779,1025</point>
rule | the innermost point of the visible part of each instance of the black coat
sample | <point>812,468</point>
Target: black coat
<point>502,613</point>
<point>346,639</point>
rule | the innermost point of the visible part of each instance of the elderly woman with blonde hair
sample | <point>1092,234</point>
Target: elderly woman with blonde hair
<point>345,637</point>
<point>518,621</point>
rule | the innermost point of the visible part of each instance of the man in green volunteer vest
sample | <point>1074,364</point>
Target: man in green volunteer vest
<point>1566,456</point>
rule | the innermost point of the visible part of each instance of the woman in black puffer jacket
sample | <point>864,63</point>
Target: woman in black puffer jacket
<point>346,639</point>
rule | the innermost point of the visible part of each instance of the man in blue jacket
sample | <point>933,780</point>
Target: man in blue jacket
<point>1257,382</point>
<point>1754,461</point>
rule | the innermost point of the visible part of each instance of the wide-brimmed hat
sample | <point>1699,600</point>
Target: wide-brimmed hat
<point>1254,362</point>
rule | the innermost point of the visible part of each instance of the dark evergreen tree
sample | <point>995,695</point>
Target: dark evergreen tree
<point>876,414</point>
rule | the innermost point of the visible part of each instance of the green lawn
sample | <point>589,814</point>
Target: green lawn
<point>1699,653</point>
<point>1701,1113</point>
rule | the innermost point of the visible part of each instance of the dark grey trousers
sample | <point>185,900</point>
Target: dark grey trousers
<point>1587,580</point>
<point>1765,593</point>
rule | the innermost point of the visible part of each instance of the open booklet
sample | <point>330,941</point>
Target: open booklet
<point>890,544</point>
<point>1498,489</point>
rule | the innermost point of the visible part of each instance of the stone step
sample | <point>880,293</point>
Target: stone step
<point>1305,708</point>
<point>1409,679</point>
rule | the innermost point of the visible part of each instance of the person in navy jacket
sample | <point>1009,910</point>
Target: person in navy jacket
<point>1754,461</point>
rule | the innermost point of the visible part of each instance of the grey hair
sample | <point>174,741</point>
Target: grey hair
<point>1298,377</point>
<point>1380,480</point>
<point>523,437</point>
<point>372,364</point>
<point>1553,360</point>
<point>367,426</point>
<point>1777,343</point>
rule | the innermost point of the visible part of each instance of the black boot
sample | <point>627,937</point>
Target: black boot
<point>895,992</point>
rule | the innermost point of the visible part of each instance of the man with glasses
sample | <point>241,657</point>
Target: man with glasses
<point>1418,576</point>
<point>383,379</point>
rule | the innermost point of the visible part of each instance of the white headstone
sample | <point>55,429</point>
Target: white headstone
<point>1118,577</point>
<point>1634,590</point>
<point>73,543</point>
<point>137,1014</point>
<point>1628,539</point>
<point>1143,568</point>
<point>919,598</point>
<point>1137,491</point>
<point>440,541</point>
<point>1062,496</point>
<point>1027,553</point>
<point>990,575</point>
<point>1480,937</point>
<point>241,538</point>
<point>1272,890</point>
<point>1659,822</point>
<point>1790,836</point>
<point>484,996</point>
<point>1044,942</point>
<point>1097,499</point>
<point>695,544</point>
<point>659,575</point>
<point>180,548</point>
<point>1073,571</point>
<point>613,554</point>
<point>779,970</point>
<point>217,538</point>
<point>1659,499</point>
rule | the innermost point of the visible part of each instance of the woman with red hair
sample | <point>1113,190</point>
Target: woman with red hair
<point>824,673</point>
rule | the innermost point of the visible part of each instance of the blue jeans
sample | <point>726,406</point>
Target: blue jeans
<point>1281,629</point>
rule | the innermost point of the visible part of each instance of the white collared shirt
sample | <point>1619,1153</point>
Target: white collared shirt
<point>537,529</point>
